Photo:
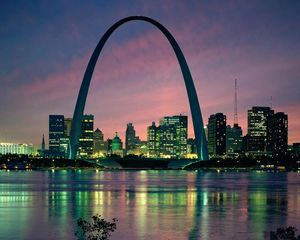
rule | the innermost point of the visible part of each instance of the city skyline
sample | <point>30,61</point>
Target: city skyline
<point>37,82</point>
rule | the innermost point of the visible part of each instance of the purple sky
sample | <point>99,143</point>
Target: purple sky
<point>45,47</point>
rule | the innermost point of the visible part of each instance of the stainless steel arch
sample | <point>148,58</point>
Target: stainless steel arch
<point>191,92</point>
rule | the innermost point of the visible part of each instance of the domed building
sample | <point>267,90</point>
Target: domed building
<point>117,145</point>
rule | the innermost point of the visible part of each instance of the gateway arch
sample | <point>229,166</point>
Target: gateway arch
<point>200,138</point>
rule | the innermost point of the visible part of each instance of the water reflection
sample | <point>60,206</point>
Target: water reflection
<point>148,204</point>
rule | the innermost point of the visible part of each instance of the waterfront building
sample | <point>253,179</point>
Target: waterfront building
<point>68,126</point>
<point>117,146</point>
<point>216,134</point>
<point>296,149</point>
<point>86,140</point>
<point>278,134</point>
<point>17,148</point>
<point>168,144</point>
<point>173,132</point>
<point>130,139</point>
<point>234,139</point>
<point>109,148</point>
<point>100,148</point>
<point>63,147</point>
<point>191,148</point>
<point>141,148</point>
<point>153,140</point>
<point>258,127</point>
<point>56,132</point>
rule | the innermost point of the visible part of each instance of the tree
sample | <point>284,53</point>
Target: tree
<point>288,233</point>
<point>98,229</point>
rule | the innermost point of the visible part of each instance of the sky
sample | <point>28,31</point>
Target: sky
<point>45,47</point>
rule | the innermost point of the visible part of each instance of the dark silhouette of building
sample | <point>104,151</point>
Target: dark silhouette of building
<point>217,134</point>
<point>278,134</point>
<point>56,132</point>
<point>191,146</point>
<point>130,139</point>
<point>109,146</point>
<point>86,140</point>
<point>258,125</point>
<point>234,139</point>
<point>43,145</point>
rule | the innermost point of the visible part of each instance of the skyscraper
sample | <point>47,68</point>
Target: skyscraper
<point>278,133</point>
<point>217,134</point>
<point>86,140</point>
<point>258,129</point>
<point>130,139</point>
<point>153,140</point>
<point>179,135</point>
<point>56,132</point>
<point>68,125</point>
<point>234,139</point>
<point>168,144</point>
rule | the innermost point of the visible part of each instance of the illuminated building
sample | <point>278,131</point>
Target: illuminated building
<point>141,148</point>
<point>100,148</point>
<point>117,145</point>
<point>278,134</point>
<point>86,140</point>
<point>173,136</point>
<point>17,148</point>
<point>153,140</point>
<point>130,139</point>
<point>56,132</point>
<point>217,134</point>
<point>169,139</point>
<point>63,146</point>
<point>68,125</point>
<point>234,139</point>
<point>257,129</point>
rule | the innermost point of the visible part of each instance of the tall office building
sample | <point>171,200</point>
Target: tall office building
<point>234,139</point>
<point>168,144</point>
<point>217,134</point>
<point>178,135</point>
<point>68,125</point>
<point>130,139</point>
<point>86,140</point>
<point>278,133</point>
<point>153,140</point>
<point>56,132</point>
<point>100,148</point>
<point>258,126</point>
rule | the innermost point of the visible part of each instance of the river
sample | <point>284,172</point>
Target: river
<point>148,204</point>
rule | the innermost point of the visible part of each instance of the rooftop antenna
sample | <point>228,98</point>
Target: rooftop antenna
<point>235,121</point>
